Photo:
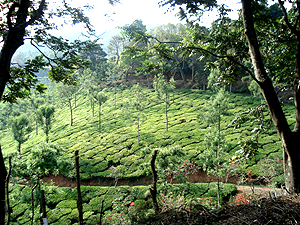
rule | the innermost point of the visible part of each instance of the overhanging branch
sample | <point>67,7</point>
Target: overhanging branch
<point>230,58</point>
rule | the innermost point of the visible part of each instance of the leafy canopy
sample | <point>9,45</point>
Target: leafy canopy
<point>33,20</point>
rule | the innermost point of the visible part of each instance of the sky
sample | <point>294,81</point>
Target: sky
<point>106,18</point>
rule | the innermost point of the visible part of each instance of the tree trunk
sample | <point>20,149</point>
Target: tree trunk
<point>36,128</point>
<point>99,117</point>
<point>3,175</point>
<point>193,69</point>
<point>153,189</point>
<point>115,93</point>
<point>32,203</point>
<point>7,191</point>
<point>93,107</point>
<point>288,138</point>
<point>138,128</point>
<point>79,199</point>
<point>71,112</point>
<point>43,208</point>
<point>166,111</point>
<point>181,70</point>
<point>19,147</point>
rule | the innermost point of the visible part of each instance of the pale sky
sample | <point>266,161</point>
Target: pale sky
<point>129,10</point>
<point>106,17</point>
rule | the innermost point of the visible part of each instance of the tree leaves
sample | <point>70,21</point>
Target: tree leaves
<point>66,55</point>
<point>20,128</point>
<point>22,79</point>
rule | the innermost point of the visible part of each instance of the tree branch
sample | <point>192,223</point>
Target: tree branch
<point>9,14</point>
<point>232,59</point>
<point>286,20</point>
<point>37,14</point>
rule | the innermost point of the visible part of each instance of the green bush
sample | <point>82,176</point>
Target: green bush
<point>72,204</point>
<point>139,192</point>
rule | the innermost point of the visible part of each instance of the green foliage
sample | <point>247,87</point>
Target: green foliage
<point>163,88</point>
<point>47,159</point>
<point>215,154</point>
<point>214,80</point>
<point>135,31</point>
<point>20,128</point>
<point>122,201</point>
<point>23,78</point>
<point>137,102</point>
<point>101,98</point>
<point>217,106</point>
<point>45,117</point>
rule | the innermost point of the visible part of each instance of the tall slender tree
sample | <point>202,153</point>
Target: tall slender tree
<point>213,110</point>
<point>100,98</point>
<point>138,104</point>
<point>163,90</point>
<point>67,94</point>
<point>45,117</point>
<point>35,103</point>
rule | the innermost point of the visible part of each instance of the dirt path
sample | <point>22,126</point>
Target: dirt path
<point>261,191</point>
<point>242,190</point>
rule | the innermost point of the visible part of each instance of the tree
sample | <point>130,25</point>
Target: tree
<point>216,149</point>
<point>115,47</point>
<point>67,93</point>
<point>135,35</point>
<point>35,103</point>
<point>89,83</point>
<point>18,19</point>
<point>172,34</point>
<point>137,103</point>
<point>94,53</point>
<point>274,52</point>
<point>100,98</point>
<point>20,128</point>
<point>45,116</point>
<point>213,80</point>
<point>163,90</point>
<point>215,157</point>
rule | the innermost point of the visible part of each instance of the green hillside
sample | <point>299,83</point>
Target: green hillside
<point>116,145</point>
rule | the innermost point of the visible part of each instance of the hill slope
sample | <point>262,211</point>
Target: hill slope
<point>116,144</point>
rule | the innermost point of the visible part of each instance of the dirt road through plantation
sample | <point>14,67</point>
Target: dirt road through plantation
<point>260,191</point>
